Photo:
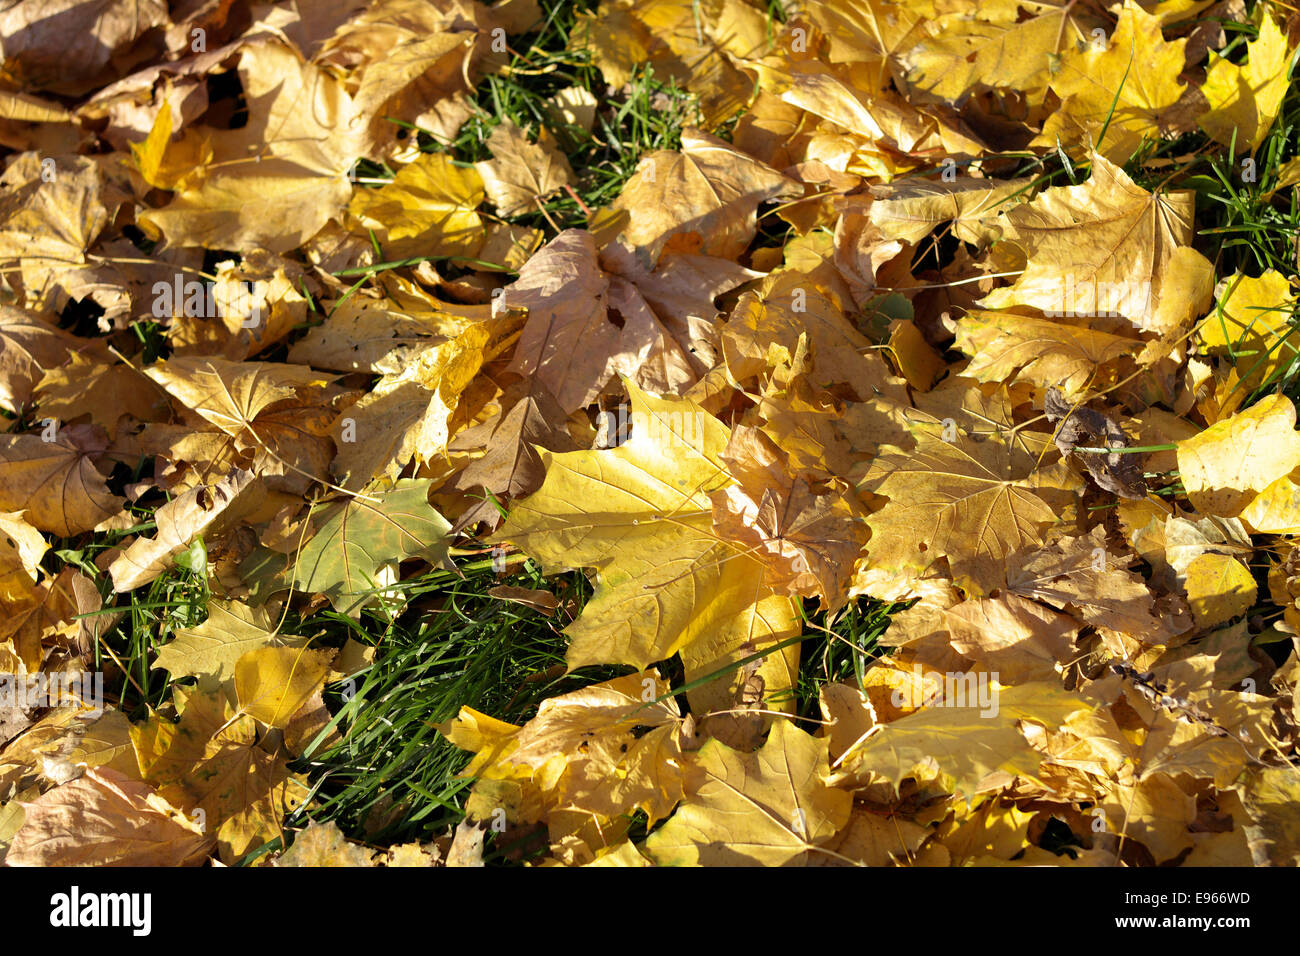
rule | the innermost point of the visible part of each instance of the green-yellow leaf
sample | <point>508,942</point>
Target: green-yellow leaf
<point>212,648</point>
<point>640,515</point>
<point>355,538</point>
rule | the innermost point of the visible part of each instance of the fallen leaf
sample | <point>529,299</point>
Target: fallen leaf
<point>964,501</point>
<point>521,174</point>
<point>35,466</point>
<point>31,346</point>
<point>323,844</point>
<point>179,522</point>
<point>1005,346</point>
<point>702,199</point>
<point>973,207</point>
<point>769,808</point>
<point>968,745</point>
<point>993,48</point>
<point>427,209</point>
<point>1249,325</point>
<point>275,181</point>
<point>21,550</point>
<point>640,515</point>
<point>1245,100</point>
<point>1103,247</point>
<point>273,682</point>
<point>213,648</point>
<point>511,466</point>
<point>353,539</point>
<point>105,819</point>
<point>1219,588</point>
<point>568,343</point>
<point>1126,86</point>
<point>1230,462</point>
<point>808,540</point>
<point>1267,793</point>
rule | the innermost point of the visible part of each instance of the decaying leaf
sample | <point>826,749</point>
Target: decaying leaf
<point>521,174</point>
<point>34,467</point>
<point>1116,472</point>
<point>179,522</point>
<point>106,819</point>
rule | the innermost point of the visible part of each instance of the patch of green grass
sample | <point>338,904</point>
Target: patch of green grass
<point>150,616</point>
<point>839,651</point>
<point>645,116</point>
<point>391,776</point>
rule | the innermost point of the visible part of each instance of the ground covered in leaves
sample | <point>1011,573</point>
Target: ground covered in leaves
<point>649,432</point>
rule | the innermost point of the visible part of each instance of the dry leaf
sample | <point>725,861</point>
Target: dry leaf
<point>522,174</point>
<point>105,819</point>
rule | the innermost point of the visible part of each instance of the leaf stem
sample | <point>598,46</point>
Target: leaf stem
<point>1131,450</point>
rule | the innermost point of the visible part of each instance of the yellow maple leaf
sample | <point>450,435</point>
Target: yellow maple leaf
<point>972,748</point>
<point>1103,247</point>
<point>1269,795</point>
<point>1006,346</point>
<point>1226,465</point>
<point>274,682</point>
<point>1124,87</point>
<point>106,819</point>
<point>1219,588</point>
<point>409,414</point>
<point>1251,325</point>
<point>640,515</point>
<point>427,209</point>
<point>1245,100</point>
<point>1015,53</point>
<point>966,501</point>
<point>21,550</point>
<point>521,174</point>
<point>703,198</point>
<point>911,209</point>
<point>769,808</point>
<point>274,182</point>
<point>604,749</point>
